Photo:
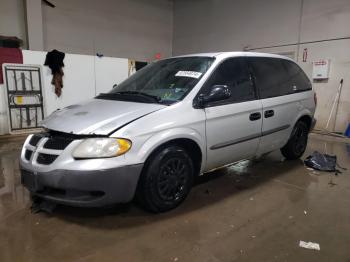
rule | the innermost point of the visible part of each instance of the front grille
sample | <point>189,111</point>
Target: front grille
<point>46,159</point>
<point>55,140</point>
<point>28,154</point>
<point>57,143</point>
<point>35,139</point>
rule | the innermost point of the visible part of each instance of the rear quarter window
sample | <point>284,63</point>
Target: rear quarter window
<point>278,77</point>
<point>298,79</point>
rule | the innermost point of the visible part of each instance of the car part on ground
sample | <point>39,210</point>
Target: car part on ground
<point>322,162</point>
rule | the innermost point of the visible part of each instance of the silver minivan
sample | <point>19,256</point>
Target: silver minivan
<point>173,120</point>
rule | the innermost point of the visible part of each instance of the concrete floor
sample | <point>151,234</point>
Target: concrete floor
<point>246,212</point>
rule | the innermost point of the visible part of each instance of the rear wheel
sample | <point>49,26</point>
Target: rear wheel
<point>297,143</point>
<point>166,180</point>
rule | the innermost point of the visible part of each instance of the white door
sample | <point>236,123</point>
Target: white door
<point>279,114</point>
<point>233,126</point>
<point>279,85</point>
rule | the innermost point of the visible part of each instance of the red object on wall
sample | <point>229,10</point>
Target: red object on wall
<point>305,55</point>
<point>9,55</point>
<point>158,56</point>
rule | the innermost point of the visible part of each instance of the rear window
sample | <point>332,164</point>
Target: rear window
<point>278,77</point>
<point>297,77</point>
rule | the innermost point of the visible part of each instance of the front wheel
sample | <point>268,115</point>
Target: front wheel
<point>297,142</point>
<point>166,180</point>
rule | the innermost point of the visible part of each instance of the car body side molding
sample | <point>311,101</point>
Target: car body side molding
<point>244,139</point>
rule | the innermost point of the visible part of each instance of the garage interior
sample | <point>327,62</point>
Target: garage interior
<point>253,210</point>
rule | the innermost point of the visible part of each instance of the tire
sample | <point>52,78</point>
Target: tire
<point>166,180</point>
<point>297,142</point>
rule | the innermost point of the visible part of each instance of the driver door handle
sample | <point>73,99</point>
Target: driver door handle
<point>255,116</point>
<point>269,113</point>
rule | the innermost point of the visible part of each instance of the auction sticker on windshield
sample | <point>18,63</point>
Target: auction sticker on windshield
<point>192,74</point>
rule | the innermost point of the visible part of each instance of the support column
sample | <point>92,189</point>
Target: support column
<point>34,25</point>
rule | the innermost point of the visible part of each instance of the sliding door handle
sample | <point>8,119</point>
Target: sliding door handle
<point>255,116</point>
<point>269,113</point>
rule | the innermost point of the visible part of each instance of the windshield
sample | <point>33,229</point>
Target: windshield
<point>166,81</point>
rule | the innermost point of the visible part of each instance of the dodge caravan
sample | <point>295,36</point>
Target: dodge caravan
<point>173,120</point>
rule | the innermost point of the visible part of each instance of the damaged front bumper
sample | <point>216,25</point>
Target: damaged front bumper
<point>84,188</point>
<point>49,171</point>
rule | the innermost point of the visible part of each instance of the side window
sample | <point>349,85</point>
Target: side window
<point>233,73</point>
<point>299,81</point>
<point>271,76</point>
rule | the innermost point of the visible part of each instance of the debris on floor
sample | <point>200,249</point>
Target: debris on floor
<point>322,162</point>
<point>331,183</point>
<point>39,205</point>
<point>309,245</point>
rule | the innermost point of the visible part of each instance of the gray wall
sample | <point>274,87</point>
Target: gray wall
<point>135,29</point>
<point>12,21</point>
<point>226,25</point>
<point>34,24</point>
<point>120,28</point>
<point>216,25</point>
<point>141,28</point>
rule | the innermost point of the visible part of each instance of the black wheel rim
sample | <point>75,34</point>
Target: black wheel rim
<point>300,140</point>
<point>173,179</point>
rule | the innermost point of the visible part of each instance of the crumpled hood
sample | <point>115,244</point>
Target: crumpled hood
<point>97,116</point>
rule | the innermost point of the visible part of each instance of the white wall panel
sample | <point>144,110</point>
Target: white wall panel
<point>84,77</point>
<point>109,71</point>
<point>78,80</point>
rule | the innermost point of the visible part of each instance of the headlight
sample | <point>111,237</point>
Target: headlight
<point>101,147</point>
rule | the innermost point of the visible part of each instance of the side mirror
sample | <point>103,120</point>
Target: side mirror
<point>217,93</point>
<point>114,86</point>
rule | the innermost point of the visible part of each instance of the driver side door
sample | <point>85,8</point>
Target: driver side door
<point>233,125</point>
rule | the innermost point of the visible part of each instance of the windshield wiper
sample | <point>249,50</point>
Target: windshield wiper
<point>155,98</point>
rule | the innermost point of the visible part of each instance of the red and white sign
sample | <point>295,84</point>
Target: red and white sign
<point>320,63</point>
<point>321,69</point>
